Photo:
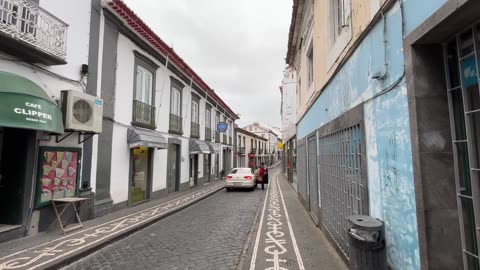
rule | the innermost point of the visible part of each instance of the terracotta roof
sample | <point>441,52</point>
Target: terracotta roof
<point>143,30</point>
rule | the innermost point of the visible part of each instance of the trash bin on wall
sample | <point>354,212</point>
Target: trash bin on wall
<point>367,243</point>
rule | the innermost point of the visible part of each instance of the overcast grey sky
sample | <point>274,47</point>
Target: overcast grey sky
<point>237,47</point>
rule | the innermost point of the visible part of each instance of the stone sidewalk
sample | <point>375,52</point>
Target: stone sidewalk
<point>53,250</point>
<point>286,237</point>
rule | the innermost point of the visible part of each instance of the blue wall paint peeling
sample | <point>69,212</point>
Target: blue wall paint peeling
<point>389,154</point>
<point>390,174</point>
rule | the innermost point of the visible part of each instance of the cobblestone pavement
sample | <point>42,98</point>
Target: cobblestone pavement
<point>208,235</point>
<point>50,250</point>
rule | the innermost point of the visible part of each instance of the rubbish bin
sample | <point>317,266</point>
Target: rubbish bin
<point>367,243</point>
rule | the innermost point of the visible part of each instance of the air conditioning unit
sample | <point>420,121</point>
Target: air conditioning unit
<point>81,112</point>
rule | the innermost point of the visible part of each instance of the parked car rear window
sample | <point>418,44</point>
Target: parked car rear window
<point>241,171</point>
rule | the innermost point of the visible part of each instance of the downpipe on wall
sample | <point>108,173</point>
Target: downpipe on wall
<point>385,41</point>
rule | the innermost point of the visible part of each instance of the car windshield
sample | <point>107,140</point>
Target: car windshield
<point>241,171</point>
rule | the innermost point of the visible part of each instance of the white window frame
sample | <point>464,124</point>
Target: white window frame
<point>208,118</point>
<point>176,102</point>
<point>310,66</point>
<point>144,88</point>
<point>339,35</point>
<point>195,112</point>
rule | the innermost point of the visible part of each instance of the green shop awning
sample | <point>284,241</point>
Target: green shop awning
<point>24,104</point>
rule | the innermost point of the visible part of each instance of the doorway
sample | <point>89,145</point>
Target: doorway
<point>217,165</point>
<point>462,62</point>
<point>207,164</point>
<point>13,174</point>
<point>193,170</point>
<point>173,174</point>
<point>141,158</point>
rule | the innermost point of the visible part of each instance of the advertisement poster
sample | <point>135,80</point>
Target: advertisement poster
<point>57,174</point>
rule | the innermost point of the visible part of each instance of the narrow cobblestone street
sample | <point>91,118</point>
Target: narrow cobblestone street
<point>208,235</point>
<point>228,230</point>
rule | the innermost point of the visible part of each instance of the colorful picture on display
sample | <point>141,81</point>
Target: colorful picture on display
<point>58,174</point>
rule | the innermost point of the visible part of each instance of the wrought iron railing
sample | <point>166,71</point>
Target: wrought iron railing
<point>208,134</point>
<point>253,150</point>
<point>217,136</point>
<point>143,114</point>
<point>241,150</point>
<point>195,130</point>
<point>23,20</point>
<point>175,125</point>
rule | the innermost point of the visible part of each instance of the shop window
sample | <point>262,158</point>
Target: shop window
<point>58,175</point>
<point>141,166</point>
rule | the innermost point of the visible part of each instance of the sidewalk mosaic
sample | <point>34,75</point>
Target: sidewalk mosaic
<point>278,238</point>
<point>41,256</point>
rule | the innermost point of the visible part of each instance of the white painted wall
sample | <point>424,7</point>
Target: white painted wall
<point>289,104</point>
<point>123,115</point>
<point>77,15</point>
<point>119,186</point>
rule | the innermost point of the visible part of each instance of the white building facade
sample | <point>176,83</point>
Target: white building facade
<point>250,149</point>
<point>271,150</point>
<point>160,117</point>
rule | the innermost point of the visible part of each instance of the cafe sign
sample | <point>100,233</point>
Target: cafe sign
<point>24,105</point>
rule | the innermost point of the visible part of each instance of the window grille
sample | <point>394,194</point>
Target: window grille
<point>343,185</point>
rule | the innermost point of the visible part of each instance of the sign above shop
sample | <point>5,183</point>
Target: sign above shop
<point>222,126</point>
<point>23,104</point>
<point>280,146</point>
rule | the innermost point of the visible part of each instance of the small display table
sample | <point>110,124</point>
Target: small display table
<point>65,202</point>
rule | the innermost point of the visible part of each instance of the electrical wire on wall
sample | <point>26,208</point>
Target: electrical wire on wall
<point>401,77</point>
<point>44,70</point>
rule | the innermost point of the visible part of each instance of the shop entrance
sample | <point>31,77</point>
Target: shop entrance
<point>207,164</point>
<point>14,171</point>
<point>193,170</point>
<point>173,181</point>
<point>141,167</point>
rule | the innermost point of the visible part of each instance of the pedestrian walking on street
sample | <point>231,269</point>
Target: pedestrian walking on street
<point>261,174</point>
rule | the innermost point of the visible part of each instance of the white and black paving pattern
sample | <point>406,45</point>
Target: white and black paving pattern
<point>47,254</point>
<point>286,237</point>
<point>275,246</point>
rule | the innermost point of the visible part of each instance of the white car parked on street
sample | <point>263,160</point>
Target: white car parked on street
<point>241,178</point>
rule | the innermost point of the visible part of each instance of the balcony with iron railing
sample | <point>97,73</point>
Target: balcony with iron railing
<point>241,150</point>
<point>195,130</point>
<point>208,134</point>
<point>32,33</point>
<point>143,114</point>
<point>175,125</point>
<point>217,136</point>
